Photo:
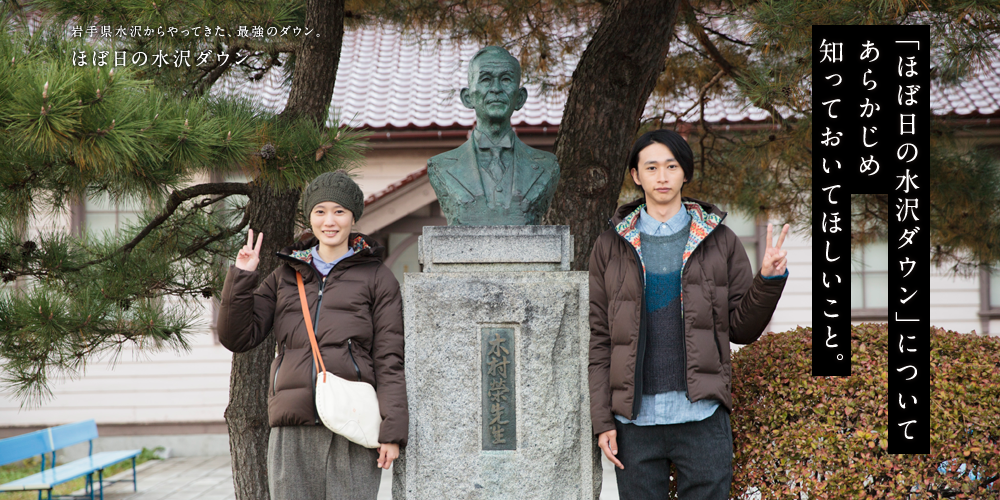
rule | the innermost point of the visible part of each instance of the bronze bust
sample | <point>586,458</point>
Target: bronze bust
<point>494,179</point>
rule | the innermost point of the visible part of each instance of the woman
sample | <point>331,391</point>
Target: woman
<point>356,310</point>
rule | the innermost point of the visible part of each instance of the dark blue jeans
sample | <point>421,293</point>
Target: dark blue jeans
<point>702,452</point>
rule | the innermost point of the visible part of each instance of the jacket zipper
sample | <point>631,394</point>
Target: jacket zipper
<point>351,352</point>
<point>319,303</point>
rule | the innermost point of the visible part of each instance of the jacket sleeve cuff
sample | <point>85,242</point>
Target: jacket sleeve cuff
<point>604,426</point>
<point>779,277</point>
<point>390,438</point>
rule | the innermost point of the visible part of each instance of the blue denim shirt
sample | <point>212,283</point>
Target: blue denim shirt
<point>671,407</point>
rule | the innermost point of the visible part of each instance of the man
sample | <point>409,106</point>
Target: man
<point>670,287</point>
<point>494,178</point>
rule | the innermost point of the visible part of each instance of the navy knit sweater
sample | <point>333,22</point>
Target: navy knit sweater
<point>663,364</point>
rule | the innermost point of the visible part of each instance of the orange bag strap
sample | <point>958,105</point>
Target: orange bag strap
<point>309,326</point>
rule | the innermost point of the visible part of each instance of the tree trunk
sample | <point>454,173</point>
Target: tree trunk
<point>273,213</point>
<point>316,61</point>
<point>246,414</point>
<point>611,84</point>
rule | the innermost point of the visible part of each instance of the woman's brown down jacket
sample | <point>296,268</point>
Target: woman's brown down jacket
<point>360,314</point>
<point>721,301</point>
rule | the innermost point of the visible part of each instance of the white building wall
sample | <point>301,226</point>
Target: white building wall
<point>954,299</point>
<point>140,388</point>
<point>170,387</point>
<point>955,303</point>
<point>795,306</point>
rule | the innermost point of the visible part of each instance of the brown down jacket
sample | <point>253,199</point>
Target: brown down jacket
<point>721,301</point>
<point>360,315</point>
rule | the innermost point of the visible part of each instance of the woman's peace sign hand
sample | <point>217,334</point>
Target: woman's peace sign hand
<point>249,255</point>
<point>774,257</point>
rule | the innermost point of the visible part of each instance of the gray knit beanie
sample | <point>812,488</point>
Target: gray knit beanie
<point>337,187</point>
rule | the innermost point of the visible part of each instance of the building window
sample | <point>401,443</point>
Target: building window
<point>750,235</point>
<point>989,298</point>
<point>233,206</point>
<point>99,214</point>
<point>994,288</point>
<point>870,282</point>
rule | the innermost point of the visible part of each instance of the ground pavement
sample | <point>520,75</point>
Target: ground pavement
<point>211,478</point>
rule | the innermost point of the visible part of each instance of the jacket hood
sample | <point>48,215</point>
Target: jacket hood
<point>627,209</point>
<point>366,249</point>
<point>705,217</point>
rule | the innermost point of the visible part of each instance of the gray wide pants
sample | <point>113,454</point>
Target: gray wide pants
<point>310,462</point>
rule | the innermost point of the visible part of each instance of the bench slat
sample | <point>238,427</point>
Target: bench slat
<point>17,448</point>
<point>70,434</point>
<point>67,472</point>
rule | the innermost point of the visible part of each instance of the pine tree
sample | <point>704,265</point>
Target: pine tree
<point>147,134</point>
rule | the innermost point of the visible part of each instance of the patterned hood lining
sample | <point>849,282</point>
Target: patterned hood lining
<point>305,254</point>
<point>702,223</point>
<point>302,250</point>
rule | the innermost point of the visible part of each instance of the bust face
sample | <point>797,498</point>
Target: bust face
<point>494,88</point>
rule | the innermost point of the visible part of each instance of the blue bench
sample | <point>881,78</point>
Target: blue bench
<point>47,441</point>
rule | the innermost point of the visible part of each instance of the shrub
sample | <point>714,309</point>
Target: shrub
<point>799,436</point>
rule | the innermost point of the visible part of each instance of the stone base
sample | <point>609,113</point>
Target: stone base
<point>546,314</point>
<point>495,248</point>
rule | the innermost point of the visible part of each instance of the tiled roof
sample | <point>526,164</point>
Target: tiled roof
<point>977,96</point>
<point>387,79</point>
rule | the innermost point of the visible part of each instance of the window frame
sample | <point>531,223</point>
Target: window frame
<point>986,311</point>
<point>757,239</point>
<point>78,215</point>
<point>879,314</point>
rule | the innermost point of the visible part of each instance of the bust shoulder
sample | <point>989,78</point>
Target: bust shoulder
<point>441,159</point>
<point>537,155</point>
<point>447,158</point>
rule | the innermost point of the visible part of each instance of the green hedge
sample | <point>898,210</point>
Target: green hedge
<point>826,437</point>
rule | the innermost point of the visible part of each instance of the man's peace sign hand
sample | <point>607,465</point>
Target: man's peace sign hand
<point>774,257</point>
<point>249,255</point>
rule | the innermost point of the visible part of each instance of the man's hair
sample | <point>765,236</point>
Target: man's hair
<point>493,49</point>
<point>678,146</point>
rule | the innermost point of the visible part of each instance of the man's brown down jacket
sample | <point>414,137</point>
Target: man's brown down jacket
<point>721,301</point>
<point>358,325</point>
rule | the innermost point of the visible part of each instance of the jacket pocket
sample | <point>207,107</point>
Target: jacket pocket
<point>362,366</point>
<point>274,371</point>
<point>354,361</point>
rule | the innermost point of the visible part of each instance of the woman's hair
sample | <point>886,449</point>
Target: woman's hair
<point>672,140</point>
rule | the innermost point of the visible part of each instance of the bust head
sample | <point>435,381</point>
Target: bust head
<point>494,89</point>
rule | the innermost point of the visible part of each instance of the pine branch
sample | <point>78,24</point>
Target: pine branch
<point>699,33</point>
<point>726,37</point>
<point>216,237</point>
<point>701,95</point>
<point>212,76</point>
<point>176,198</point>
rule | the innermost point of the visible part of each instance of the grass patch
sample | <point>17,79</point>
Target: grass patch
<point>24,468</point>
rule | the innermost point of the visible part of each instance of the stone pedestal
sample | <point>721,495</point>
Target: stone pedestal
<point>496,368</point>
